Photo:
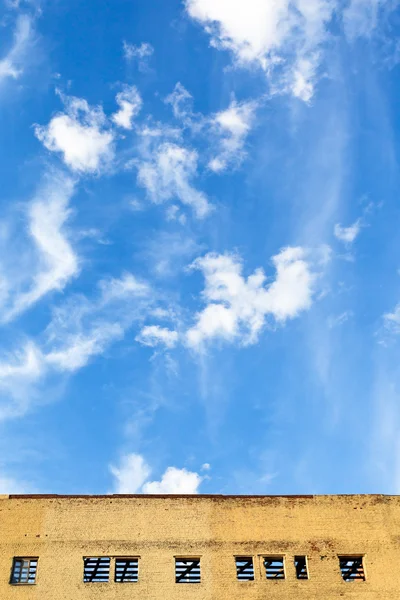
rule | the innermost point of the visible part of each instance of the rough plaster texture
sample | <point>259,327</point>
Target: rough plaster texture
<point>62,530</point>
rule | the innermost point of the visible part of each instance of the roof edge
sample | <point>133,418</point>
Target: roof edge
<point>183,496</point>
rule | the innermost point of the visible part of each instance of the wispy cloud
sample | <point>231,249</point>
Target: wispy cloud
<point>181,101</point>
<point>55,263</point>
<point>360,17</point>
<point>79,330</point>
<point>141,54</point>
<point>8,485</point>
<point>80,135</point>
<point>132,475</point>
<point>392,320</point>
<point>154,335</point>
<point>168,176</point>
<point>13,63</point>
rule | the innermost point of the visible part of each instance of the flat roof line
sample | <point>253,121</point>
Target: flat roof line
<point>172,496</point>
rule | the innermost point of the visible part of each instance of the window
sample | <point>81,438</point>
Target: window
<point>187,570</point>
<point>352,568</point>
<point>24,571</point>
<point>274,567</point>
<point>244,568</point>
<point>300,563</point>
<point>96,570</point>
<point>126,570</point>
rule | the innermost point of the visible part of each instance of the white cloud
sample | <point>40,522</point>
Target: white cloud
<point>12,65</point>
<point>237,308</point>
<point>232,127</point>
<point>175,481</point>
<point>80,134</point>
<point>130,103</point>
<point>131,477</point>
<point>55,260</point>
<point>140,53</point>
<point>348,234</point>
<point>168,177</point>
<point>154,335</point>
<point>279,34</point>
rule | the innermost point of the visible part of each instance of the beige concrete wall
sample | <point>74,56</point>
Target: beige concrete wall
<point>61,531</point>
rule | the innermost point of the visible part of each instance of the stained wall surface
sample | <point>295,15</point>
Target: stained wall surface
<point>61,531</point>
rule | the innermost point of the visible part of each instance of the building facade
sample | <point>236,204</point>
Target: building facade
<point>199,547</point>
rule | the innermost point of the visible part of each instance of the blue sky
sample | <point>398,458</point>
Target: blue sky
<point>199,249</point>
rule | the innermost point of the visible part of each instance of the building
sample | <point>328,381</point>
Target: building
<point>199,547</point>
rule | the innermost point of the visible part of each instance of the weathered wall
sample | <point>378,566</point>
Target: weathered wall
<point>62,530</point>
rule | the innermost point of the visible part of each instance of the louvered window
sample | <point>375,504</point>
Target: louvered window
<point>352,568</point>
<point>300,563</point>
<point>96,569</point>
<point>24,571</point>
<point>274,567</point>
<point>187,570</point>
<point>244,568</point>
<point>126,570</point>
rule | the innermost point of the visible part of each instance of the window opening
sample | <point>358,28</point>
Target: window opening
<point>187,570</point>
<point>300,563</point>
<point>96,570</point>
<point>126,570</point>
<point>24,571</point>
<point>352,568</point>
<point>274,567</point>
<point>244,568</point>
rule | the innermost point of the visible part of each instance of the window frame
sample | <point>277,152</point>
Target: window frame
<point>307,567</point>
<point>125,558</point>
<point>24,558</point>
<point>85,558</point>
<point>272,557</point>
<point>181,558</point>
<point>241,557</point>
<point>349,557</point>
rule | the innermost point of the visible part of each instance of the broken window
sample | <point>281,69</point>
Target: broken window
<point>244,568</point>
<point>126,570</point>
<point>274,567</point>
<point>300,563</point>
<point>24,571</point>
<point>96,570</point>
<point>187,570</point>
<point>352,568</point>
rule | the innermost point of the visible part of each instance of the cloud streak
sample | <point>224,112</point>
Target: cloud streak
<point>56,263</point>
<point>13,63</point>
<point>79,330</point>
